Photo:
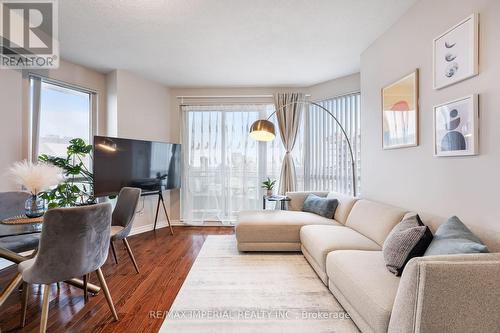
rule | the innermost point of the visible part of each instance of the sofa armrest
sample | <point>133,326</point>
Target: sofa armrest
<point>452,293</point>
<point>298,198</point>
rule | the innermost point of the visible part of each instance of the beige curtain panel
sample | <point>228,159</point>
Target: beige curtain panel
<point>289,113</point>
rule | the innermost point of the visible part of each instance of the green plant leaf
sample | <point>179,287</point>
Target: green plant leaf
<point>53,204</point>
<point>73,190</point>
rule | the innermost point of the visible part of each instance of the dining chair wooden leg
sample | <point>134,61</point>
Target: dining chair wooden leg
<point>33,254</point>
<point>85,288</point>
<point>24,303</point>
<point>13,284</point>
<point>131,255</point>
<point>45,308</point>
<point>114,251</point>
<point>104,287</point>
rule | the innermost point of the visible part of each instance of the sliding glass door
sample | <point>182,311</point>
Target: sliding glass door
<point>223,166</point>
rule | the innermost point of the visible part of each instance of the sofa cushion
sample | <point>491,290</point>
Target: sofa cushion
<point>374,220</point>
<point>363,286</point>
<point>297,198</point>
<point>275,226</point>
<point>320,206</point>
<point>408,239</point>
<point>319,240</point>
<point>453,237</point>
<point>488,233</point>
<point>344,207</point>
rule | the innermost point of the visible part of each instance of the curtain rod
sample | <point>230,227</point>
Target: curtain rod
<point>232,96</point>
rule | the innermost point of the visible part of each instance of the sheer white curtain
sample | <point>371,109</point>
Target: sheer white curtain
<point>222,166</point>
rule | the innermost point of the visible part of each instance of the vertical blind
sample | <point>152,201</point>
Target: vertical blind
<point>327,154</point>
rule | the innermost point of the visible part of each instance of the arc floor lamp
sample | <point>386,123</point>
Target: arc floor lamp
<point>263,130</point>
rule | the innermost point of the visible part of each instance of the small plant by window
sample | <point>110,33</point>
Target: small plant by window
<point>268,184</point>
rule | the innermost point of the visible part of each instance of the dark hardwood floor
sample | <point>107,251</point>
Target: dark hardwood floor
<point>164,263</point>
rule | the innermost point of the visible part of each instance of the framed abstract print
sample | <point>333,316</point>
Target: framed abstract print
<point>400,113</point>
<point>456,127</point>
<point>456,53</point>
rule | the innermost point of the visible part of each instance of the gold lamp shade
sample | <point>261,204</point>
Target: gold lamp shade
<point>262,130</point>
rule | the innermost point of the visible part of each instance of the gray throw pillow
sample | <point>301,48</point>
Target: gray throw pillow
<point>453,237</point>
<point>320,206</point>
<point>408,239</point>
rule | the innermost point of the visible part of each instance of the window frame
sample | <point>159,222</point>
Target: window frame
<point>34,97</point>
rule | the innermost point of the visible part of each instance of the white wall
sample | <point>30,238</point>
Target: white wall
<point>340,86</point>
<point>412,177</point>
<point>112,104</point>
<point>143,108</point>
<point>140,109</point>
<point>11,124</point>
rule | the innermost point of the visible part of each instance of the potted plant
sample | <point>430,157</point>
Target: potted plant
<point>77,188</point>
<point>268,184</point>
<point>36,178</point>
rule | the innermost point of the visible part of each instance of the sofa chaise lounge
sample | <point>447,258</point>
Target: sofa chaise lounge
<point>448,293</point>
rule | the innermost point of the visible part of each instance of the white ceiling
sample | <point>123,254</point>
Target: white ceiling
<point>202,43</point>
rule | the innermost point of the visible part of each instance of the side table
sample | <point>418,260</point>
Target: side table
<point>277,198</point>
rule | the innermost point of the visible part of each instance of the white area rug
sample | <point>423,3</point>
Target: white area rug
<point>228,291</point>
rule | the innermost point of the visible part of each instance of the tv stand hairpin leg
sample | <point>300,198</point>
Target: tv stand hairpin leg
<point>160,198</point>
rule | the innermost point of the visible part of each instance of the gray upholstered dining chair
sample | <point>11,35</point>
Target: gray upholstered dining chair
<point>12,204</point>
<point>123,216</point>
<point>74,242</point>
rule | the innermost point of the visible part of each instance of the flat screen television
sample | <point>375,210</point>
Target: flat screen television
<point>148,165</point>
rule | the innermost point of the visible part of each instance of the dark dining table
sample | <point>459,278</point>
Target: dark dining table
<point>19,229</point>
<point>7,230</point>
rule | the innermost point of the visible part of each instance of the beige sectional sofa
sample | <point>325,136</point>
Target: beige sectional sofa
<point>453,293</point>
<point>265,230</point>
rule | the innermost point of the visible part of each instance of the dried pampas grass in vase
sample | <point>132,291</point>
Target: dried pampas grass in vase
<point>35,178</point>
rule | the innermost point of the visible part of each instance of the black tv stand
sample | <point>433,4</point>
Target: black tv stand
<point>160,199</point>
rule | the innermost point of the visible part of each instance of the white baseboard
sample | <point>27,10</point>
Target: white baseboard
<point>148,227</point>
